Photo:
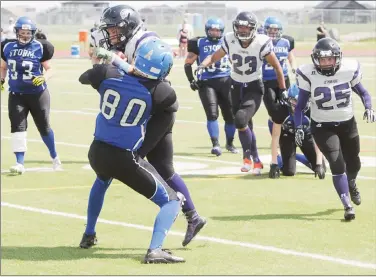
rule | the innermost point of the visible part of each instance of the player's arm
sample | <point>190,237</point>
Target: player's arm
<point>48,53</point>
<point>273,61</point>
<point>164,98</point>
<point>364,95</point>
<point>96,75</point>
<point>3,65</point>
<point>114,59</point>
<point>193,52</point>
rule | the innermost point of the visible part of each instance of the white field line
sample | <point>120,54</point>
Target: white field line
<point>266,248</point>
<point>178,157</point>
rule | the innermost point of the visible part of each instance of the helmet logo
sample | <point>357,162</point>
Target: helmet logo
<point>326,53</point>
<point>215,26</point>
<point>243,22</point>
<point>26,27</point>
<point>148,55</point>
<point>124,13</point>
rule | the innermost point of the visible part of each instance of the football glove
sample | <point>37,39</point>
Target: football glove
<point>2,84</point>
<point>320,171</point>
<point>104,54</point>
<point>194,85</point>
<point>199,70</point>
<point>369,115</point>
<point>38,80</point>
<point>283,96</point>
<point>299,136</point>
<point>274,171</point>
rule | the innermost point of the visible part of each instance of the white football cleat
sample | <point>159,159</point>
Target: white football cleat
<point>247,165</point>
<point>56,163</point>
<point>17,169</point>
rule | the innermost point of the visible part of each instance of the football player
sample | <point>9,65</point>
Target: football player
<point>284,115</point>
<point>157,146</point>
<point>214,83</point>
<point>246,50</point>
<point>127,102</point>
<point>282,49</point>
<point>25,58</point>
<point>328,83</point>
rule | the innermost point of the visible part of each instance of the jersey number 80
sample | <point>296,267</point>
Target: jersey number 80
<point>130,110</point>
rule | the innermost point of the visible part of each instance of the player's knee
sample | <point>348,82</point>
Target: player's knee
<point>44,130</point>
<point>212,116</point>
<point>18,128</point>
<point>288,172</point>
<point>18,141</point>
<point>241,120</point>
<point>337,167</point>
<point>162,196</point>
<point>354,165</point>
<point>165,169</point>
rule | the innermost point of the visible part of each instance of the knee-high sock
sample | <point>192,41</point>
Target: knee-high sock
<point>302,159</point>
<point>341,185</point>
<point>178,184</point>
<point>245,138</point>
<point>49,141</point>
<point>163,222</point>
<point>20,157</point>
<point>230,133</point>
<point>96,199</point>
<point>254,151</point>
<point>213,129</point>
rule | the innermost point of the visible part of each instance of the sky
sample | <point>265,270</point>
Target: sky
<point>250,5</point>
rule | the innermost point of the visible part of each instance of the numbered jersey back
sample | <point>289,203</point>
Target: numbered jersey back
<point>281,48</point>
<point>247,62</point>
<point>331,97</point>
<point>219,69</point>
<point>23,62</point>
<point>125,109</point>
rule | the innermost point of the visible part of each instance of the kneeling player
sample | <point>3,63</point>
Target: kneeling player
<point>214,83</point>
<point>284,116</point>
<point>25,58</point>
<point>127,103</point>
<point>328,82</point>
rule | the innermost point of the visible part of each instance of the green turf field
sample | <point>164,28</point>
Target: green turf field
<point>256,226</point>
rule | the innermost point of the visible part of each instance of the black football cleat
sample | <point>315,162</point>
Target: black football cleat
<point>354,193</point>
<point>349,213</point>
<point>194,226</point>
<point>88,241</point>
<point>161,256</point>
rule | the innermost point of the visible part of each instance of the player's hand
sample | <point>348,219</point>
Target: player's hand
<point>274,171</point>
<point>199,70</point>
<point>299,136</point>
<point>369,115</point>
<point>38,80</point>
<point>320,171</point>
<point>194,85</point>
<point>2,84</point>
<point>102,53</point>
<point>283,96</point>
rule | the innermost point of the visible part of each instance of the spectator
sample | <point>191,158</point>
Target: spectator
<point>9,31</point>
<point>185,32</point>
<point>321,31</point>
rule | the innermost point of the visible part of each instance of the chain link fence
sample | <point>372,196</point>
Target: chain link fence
<point>64,23</point>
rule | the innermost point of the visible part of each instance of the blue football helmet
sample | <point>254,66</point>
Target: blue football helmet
<point>25,23</point>
<point>214,23</point>
<point>273,27</point>
<point>153,59</point>
<point>293,94</point>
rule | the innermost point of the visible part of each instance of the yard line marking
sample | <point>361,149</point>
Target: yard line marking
<point>205,238</point>
<point>178,157</point>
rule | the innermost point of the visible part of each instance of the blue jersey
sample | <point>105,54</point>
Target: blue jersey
<point>288,125</point>
<point>126,107</point>
<point>281,49</point>
<point>204,47</point>
<point>24,62</point>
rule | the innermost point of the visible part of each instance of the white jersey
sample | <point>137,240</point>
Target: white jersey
<point>10,34</point>
<point>330,96</point>
<point>247,62</point>
<point>140,37</point>
<point>95,37</point>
